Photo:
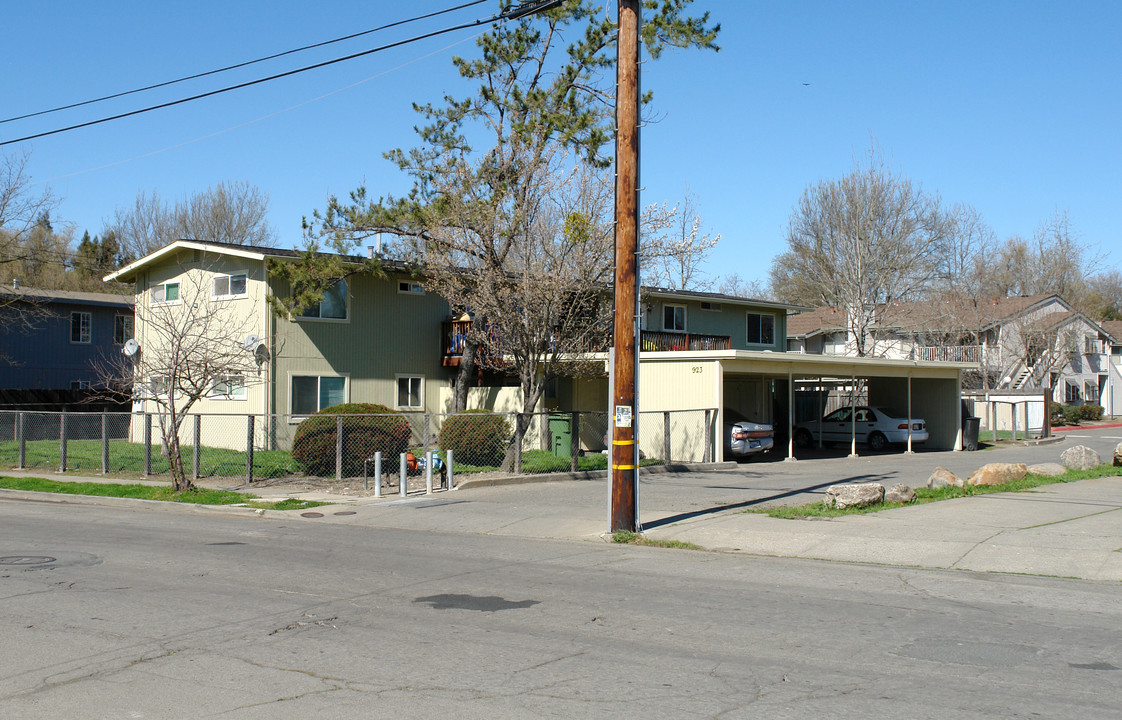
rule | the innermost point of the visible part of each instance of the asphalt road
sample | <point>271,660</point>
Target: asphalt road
<point>186,614</point>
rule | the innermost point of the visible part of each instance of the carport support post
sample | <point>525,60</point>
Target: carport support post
<point>909,451</point>
<point>1013,418</point>
<point>821,409</point>
<point>853,417</point>
<point>790,417</point>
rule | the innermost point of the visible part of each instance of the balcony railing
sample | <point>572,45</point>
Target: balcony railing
<point>949,353</point>
<point>454,332</point>
<point>653,340</point>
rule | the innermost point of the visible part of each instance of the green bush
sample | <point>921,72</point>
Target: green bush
<point>1057,417</point>
<point>476,437</point>
<point>1091,412</point>
<point>370,429</point>
<point>1072,413</point>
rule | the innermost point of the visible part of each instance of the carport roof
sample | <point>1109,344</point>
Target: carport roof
<point>773,363</point>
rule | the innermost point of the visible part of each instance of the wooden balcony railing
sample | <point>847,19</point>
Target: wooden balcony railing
<point>453,333</point>
<point>949,353</point>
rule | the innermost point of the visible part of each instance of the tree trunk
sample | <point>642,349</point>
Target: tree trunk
<point>464,376</point>
<point>169,429</point>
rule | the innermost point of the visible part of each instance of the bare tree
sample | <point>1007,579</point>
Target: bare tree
<point>234,212</point>
<point>674,246</point>
<point>191,346</point>
<point>861,243</point>
<point>23,210</point>
<point>733,284</point>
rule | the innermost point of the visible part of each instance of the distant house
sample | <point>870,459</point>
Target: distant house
<point>1021,343</point>
<point>51,339</point>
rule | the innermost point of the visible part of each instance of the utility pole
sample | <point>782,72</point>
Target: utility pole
<point>624,451</point>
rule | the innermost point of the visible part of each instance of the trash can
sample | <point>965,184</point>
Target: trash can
<point>561,429</point>
<point>970,427</point>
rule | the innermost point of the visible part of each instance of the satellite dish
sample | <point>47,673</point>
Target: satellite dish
<point>251,342</point>
<point>131,348</point>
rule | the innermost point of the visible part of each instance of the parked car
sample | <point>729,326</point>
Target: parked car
<point>744,439</point>
<point>876,426</point>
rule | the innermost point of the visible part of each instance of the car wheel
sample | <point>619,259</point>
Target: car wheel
<point>877,441</point>
<point>803,438</point>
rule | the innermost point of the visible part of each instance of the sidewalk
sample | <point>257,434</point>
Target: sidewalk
<point>1066,530</point>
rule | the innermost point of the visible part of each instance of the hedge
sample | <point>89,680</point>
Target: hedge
<point>369,428</point>
<point>476,437</point>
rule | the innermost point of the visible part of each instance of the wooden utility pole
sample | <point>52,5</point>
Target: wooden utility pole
<point>624,451</point>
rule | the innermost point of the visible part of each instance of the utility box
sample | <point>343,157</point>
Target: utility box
<point>561,429</point>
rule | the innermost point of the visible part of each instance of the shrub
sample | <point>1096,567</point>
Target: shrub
<point>1072,413</point>
<point>1091,412</point>
<point>476,437</point>
<point>1057,414</point>
<point>374,428</point>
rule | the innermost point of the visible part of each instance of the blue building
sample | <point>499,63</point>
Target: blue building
<point>51,339</point>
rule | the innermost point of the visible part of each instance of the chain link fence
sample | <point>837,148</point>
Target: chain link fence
<point>259,447</point>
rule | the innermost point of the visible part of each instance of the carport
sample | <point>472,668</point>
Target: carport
<point>763,387</point>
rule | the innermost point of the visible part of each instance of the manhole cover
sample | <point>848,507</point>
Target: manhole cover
<point>26,560</point>
<point>311,515</point>
<point>345,512</point>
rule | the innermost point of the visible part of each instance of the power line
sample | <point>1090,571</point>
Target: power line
<point>241,64</point>
<point>511,13</point>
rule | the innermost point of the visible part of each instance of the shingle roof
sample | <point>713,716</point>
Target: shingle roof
<point>72,296</point>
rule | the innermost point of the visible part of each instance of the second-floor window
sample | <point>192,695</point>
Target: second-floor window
<point>674,318</point>
<point>761,329</point>
<point>333,306</point>
<point>228,286</point>
<point>1092,345</point>
<point>122,329</point>
<point>165,292</point>
<point>80,327</point>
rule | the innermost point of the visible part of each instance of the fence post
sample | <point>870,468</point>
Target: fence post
<point>519,418</point>
<point>22,442</point>
<point>196,450</point>
<point>402,480</point>
<point>248,449</point>
<point>574,442</point>
<point>428,467</point>
<point>62,442</point>
<point>105,442</point>
<point>666,438</point>
<point>545,434</point>
<point>448,460</point>
<point>378,474</point>
<point>147,444</point>
<point>338,447</point>
<point>708,437</point>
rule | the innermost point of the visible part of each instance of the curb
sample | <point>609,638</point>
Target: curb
<point>1069,428</point>
<point>587,475</point>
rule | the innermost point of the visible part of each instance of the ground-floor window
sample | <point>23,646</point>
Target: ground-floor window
<point>312,393</point>
<point>410,392</point>
<point>1071,393</point>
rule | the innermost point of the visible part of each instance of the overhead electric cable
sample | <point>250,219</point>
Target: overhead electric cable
<point>510,13</point>
<point>241,64</point>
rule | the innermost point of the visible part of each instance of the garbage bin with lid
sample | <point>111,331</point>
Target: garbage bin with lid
<point>970,427</point>
<point>561,429</point>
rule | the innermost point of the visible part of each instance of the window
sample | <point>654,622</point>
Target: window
<point>80,385</point>
<point>410,392</point>
<point>761,329</point>
<point>1071,393</point>
<point>674,318</point>
<point>333,306</point>
<point>312,393</point>
<point>228,387</point>
<point>715,307</point>
<point>158,385</point>
<point>1090,391</point>
<point>411,288</point>
<point>229,285</point>
<point>80,328</point>
<point>122,329</point>
<point>165,293</point>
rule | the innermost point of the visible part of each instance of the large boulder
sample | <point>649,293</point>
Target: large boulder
<point>1080,457</point>
<point>1118,455</point>
<point>943,477</point>
<point>899,494</point>
<point>859,495</point>
<point>1047,469</point>
<point>997,474</point>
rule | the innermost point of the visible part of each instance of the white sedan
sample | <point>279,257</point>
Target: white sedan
<point>876,426</point>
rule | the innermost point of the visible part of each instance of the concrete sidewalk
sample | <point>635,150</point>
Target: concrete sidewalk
<point>1067,530</point>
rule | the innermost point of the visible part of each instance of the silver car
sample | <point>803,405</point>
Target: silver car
<point>745,440</point>
<point>876,426</point>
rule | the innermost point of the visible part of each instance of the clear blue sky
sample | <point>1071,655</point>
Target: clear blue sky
<point>1011,107</point>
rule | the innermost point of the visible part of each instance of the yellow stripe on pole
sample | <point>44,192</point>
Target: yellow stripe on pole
<point>624,467</point>
<point>623,442</point>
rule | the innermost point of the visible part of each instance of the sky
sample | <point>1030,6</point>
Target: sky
<point>1012,108</point>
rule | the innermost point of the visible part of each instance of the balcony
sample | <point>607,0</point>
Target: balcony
<point>949,353</point>
<point>453,333</point>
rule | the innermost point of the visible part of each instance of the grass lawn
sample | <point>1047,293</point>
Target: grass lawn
<point>543,461</point>
<point>926,495</point>
<point>198,496</point>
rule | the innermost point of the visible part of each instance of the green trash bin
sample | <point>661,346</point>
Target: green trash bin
<point>561,428</point>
